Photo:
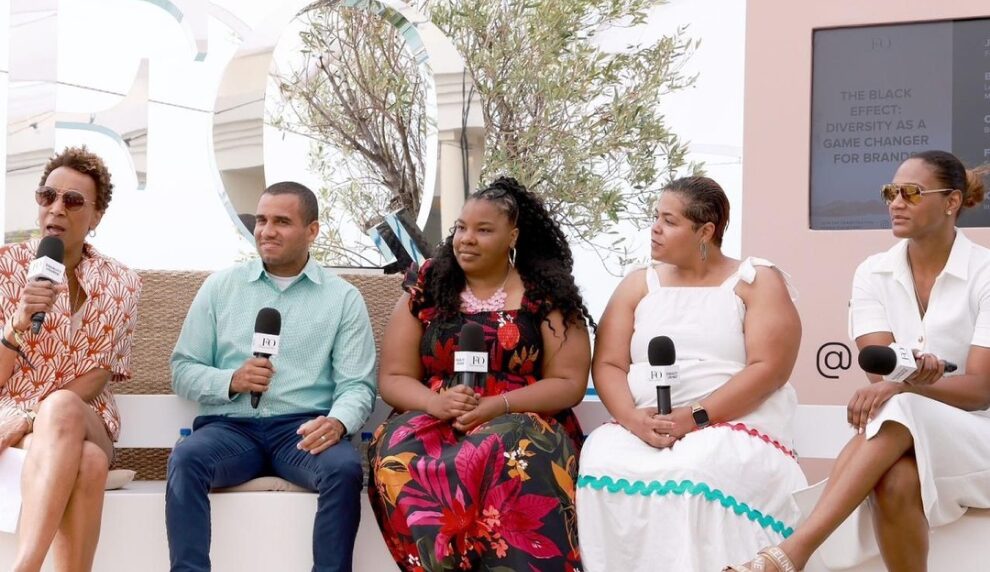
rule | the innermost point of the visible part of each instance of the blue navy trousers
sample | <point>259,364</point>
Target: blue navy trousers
<point>227,451</point>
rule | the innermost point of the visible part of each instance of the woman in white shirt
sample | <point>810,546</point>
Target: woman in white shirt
<point>923,448</point>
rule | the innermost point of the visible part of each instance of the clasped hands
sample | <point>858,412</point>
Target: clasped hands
<point>659,431</point>
<point>465,407</point>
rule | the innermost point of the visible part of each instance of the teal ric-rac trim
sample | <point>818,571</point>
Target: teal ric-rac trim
<point>685,487</point>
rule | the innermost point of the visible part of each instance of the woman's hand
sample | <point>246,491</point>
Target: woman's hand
<point>488,408</point>
<point>13,428</point>
<point>867,400</point>
<point>930,369</point>
<point>650,427</point>
<point>37,296</point>
<point>453,402</point>
<point>681,420</point>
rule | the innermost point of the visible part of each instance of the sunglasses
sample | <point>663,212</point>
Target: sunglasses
<point>73,200</point>
<point>910,192</point>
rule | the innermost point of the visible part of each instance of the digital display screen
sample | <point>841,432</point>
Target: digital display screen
<point>881,93</point>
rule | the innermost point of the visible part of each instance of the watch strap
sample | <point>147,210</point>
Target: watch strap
<point>700,415</point>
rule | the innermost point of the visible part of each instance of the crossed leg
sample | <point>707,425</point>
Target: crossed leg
<point>68,457</point>
<point>880,463</point>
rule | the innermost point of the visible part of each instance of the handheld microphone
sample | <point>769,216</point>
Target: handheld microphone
<point>894,362</point>
<point>662,356</point>
<point>267,327</point>
<point>47,265</point>
<point>471,358</point>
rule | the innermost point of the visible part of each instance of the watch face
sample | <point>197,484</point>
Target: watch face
<point>700,417</point>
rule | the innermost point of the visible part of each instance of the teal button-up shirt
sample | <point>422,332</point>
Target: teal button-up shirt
<point>326,356</point>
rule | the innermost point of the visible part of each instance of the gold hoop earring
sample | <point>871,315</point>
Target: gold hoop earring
<point>512,256</point>
<point>704,251</point>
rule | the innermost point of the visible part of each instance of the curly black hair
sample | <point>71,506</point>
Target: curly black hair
<point>88,163</point>
<point>543,258</point>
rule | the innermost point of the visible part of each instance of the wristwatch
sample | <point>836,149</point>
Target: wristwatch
<point>700,415</point>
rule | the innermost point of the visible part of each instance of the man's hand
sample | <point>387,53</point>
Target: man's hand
<point>254,375</point>
<point>320,434</point>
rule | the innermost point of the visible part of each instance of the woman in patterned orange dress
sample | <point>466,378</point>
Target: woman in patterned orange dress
<point>483,478</point>
<point>55,400</point>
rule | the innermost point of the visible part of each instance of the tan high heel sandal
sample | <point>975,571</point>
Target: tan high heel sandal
<point>773,554</point>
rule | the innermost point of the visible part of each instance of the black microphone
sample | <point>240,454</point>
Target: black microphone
<point>894,362</point>
<point>662,356</point>
<point>471,357</point>
<point>47,265</point>
<point>267,327</point>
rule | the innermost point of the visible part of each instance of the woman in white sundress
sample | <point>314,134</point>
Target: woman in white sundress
<point>712,480</point>
<point>923,448</point>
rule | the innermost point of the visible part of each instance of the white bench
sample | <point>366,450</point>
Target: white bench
<point>252,531</point>
<point>133,533</point>
<point>820,432</point>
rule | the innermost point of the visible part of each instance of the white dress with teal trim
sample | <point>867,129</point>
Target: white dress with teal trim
<point>719,494</point>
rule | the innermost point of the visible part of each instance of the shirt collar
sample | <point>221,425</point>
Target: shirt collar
<point>958,262</point>
<point>895,260</point>
<point>256,269</point>
<point>89,265</point>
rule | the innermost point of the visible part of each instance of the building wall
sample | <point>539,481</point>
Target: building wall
<point>776,143</point>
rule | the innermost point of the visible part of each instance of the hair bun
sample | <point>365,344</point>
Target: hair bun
<point>975,188</point>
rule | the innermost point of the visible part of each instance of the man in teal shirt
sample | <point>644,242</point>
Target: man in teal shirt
<point>318,388</point>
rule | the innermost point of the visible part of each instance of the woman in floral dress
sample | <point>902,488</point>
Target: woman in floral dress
<point>483,478</point>
<point>55,396</point>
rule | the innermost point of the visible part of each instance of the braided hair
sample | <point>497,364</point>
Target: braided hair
<point>543,258</point>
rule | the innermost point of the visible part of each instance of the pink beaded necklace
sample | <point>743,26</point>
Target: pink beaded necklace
<point>470,304</point>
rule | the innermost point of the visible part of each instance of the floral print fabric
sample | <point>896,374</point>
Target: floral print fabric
<point>500,497</point>
<point>60,353</point>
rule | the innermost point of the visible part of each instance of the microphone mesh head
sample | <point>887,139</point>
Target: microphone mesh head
<point>879,360</point>
<point>472,338</point>
<point>661,351</point>
<point>52,247</point>
<point>269,321</point>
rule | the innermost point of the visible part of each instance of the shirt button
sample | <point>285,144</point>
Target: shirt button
<point>921,339</point>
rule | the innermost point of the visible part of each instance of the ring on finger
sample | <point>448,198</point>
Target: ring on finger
<point>323,438</point>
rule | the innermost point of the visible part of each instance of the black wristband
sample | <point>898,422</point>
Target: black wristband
<point>15,349</point>
<point>8,345</point>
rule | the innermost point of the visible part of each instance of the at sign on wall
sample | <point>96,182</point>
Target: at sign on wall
<point>777,168</point>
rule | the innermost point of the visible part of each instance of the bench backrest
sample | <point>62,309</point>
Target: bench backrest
<point>165,299</point>
<point>152,415</point>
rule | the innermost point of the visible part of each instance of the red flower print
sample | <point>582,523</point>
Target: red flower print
<point>427,429</point>
<point>519,518</point>
<point>508,336</point>
<point>430,489</point>
<point>442,360</point>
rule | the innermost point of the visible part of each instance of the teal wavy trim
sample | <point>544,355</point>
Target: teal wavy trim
<point>685,487</point>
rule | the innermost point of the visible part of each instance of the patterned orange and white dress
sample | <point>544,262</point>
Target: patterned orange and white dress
<point>66,348</point>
